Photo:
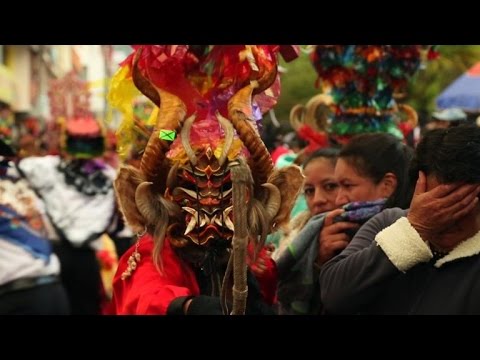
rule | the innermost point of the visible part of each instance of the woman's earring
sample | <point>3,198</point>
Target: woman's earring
<point>135,258</point>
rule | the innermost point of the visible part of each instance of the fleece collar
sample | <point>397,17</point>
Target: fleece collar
<point>467,248</point>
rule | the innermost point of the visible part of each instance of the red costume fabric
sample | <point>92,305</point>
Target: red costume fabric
<point>148,292</point>
<point>279,151</point>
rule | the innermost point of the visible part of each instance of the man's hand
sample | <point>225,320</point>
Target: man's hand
<point>433,212</point>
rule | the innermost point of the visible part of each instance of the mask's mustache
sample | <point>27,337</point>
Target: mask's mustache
<point>203,219</point>
<point>179,191</point>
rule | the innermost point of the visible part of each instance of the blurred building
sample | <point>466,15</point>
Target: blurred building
<point>27,70</point>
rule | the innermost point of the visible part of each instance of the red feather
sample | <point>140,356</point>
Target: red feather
<point>316,140</point>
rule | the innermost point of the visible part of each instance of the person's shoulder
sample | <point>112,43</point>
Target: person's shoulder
<point>389,216</point>
<point>39,165</point>
<point>48,159</point>
<point>395,212</point>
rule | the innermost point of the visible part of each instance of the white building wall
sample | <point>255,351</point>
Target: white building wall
<point>92,58</point>
<point>64,59</point>
<point>19,63</point>
<point>43,104</point>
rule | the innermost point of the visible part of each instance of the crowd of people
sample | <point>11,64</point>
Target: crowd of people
<point>205,223</point>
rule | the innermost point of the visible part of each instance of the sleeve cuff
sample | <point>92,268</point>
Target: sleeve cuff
<point>403,245</point>
<point>205,305</point>
<point>176,306</point>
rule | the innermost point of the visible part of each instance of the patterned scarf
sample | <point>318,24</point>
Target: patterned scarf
<point>298,289</point>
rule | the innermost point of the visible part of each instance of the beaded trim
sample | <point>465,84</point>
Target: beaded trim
<point>135,258</point>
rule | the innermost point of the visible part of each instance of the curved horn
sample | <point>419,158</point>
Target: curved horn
<point>170,117</point>
<point>297,115</point>
<point>125,184</point>
<point>240,113</point>
<point>172,176</point>
<point>269,74</point>
<point>143,197</point>
<point>228,129</point>
<point>155,209</point>
<point>317,111</point>
<point>274,201</point>
<point>142,83</point>
<point>266,80</point>
<point>412,116</point>
<point>185,136</point>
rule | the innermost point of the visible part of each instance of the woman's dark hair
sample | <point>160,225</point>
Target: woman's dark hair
<point>452,155</point>
<point>327,153</point>
<point>375,154</point>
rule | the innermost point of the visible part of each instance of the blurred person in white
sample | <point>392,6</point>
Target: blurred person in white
<point>77,189</point>
<point>29,271</point>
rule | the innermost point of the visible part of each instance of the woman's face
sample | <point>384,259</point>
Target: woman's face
<point>355,187</point>
<point>320,186</point>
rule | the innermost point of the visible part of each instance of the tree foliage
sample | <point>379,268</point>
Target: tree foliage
<point>298,86</point>
<point>438,74</point>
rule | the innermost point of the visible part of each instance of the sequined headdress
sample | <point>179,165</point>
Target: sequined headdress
<point>364,82</point>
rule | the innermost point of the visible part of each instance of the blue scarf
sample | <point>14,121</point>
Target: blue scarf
<point>298,289</point>
<point>16,230</point>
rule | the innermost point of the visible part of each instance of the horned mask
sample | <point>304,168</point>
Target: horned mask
<point>214,186</point>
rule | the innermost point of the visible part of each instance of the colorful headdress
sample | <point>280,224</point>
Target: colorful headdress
<point>311,122</point>
<point>363,81</point>
<point>205,179</point>
<point>82,135</point>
